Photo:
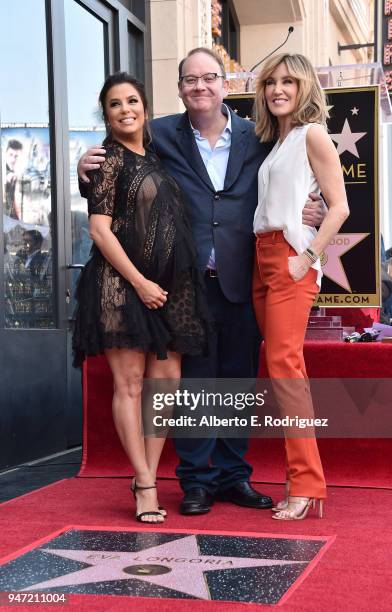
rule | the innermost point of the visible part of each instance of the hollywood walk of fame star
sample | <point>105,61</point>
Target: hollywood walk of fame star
<point>346,139</point>
<point>333,268</point>
<point>355,111</point>
<point>176,565</point>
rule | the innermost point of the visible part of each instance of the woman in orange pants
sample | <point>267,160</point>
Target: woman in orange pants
<point>290,107</point>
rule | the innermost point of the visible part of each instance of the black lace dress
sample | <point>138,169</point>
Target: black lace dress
<point>148,219</point>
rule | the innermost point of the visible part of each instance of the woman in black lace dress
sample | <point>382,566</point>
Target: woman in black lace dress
<point>140,296</point>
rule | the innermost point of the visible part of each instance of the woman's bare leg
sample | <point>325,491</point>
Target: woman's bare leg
<point>170,370</point>
<point>128,367</point>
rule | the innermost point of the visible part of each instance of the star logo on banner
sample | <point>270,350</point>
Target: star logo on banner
<point>333,267</point>
<point>176,565</point>
<point>346,139</point>
<point>355,111</point>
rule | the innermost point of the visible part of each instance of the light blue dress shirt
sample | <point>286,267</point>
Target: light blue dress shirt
<point>215,161</point>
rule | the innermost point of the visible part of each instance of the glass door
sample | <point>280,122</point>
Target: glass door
<point>86,68</point>
<point>32,356</point>
<point>85,75</point>
<point>54,56</point>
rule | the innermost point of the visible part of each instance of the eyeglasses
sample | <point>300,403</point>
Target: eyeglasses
<point>210,77</point>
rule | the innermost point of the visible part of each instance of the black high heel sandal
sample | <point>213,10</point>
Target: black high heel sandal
<point>161,509</point>
<point>139,517</point>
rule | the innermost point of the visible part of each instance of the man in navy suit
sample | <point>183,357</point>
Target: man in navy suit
<point>214,156</point>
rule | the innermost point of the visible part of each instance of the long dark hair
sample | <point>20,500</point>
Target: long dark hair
<point>118,78</point>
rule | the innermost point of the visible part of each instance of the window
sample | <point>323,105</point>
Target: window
<point>137,7</point>
<point>230,30</point>
<point>136,51</point>
<point>25,150</point>
<point>85,77</point>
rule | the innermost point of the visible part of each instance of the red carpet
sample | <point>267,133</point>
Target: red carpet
<point>352,575</point>
<point>354,572</point>
<point>348,462</point>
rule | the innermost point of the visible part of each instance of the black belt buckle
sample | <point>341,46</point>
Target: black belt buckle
<point>212,273</point>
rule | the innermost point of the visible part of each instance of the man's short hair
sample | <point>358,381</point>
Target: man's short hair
<point>14,144</point>
<point>34,235</point>
<point>207,51</point>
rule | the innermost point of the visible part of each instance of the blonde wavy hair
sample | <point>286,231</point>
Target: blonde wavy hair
<point>311,105</point>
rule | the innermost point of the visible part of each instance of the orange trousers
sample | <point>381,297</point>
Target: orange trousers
<point>282,308</point>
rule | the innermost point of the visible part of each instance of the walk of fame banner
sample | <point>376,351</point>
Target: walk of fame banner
<point>350,264</point>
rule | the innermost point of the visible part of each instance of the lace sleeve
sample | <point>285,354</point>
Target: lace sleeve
<point>83,189</point>
<point>102,186</point>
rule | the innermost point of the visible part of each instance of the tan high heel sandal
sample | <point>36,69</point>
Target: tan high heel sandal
<point>282,505</point>
<point>299,509</point>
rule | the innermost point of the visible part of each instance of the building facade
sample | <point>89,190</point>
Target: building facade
<point>250,29</point>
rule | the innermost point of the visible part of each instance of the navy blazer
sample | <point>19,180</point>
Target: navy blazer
<point>223,219</point>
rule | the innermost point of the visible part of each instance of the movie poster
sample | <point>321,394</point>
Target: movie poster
<point>26,174</point>
<point>28,263</point>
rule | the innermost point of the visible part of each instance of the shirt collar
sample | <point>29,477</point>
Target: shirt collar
<point>227,129</point>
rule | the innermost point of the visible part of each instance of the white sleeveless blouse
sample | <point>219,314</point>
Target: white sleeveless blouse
<point>285,179</point>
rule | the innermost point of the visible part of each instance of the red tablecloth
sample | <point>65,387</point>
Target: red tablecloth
<point>347,462</point>
<point>345,360</point>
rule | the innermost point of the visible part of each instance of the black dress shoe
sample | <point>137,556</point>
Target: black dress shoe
<point>243,494</point>
<point>196,501</point>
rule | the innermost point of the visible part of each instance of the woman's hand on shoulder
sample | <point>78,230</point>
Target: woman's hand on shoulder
<point>151,294</point>
<point>298,266</point>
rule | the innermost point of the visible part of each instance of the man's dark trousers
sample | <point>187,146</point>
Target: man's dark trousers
<point>218,463</point>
